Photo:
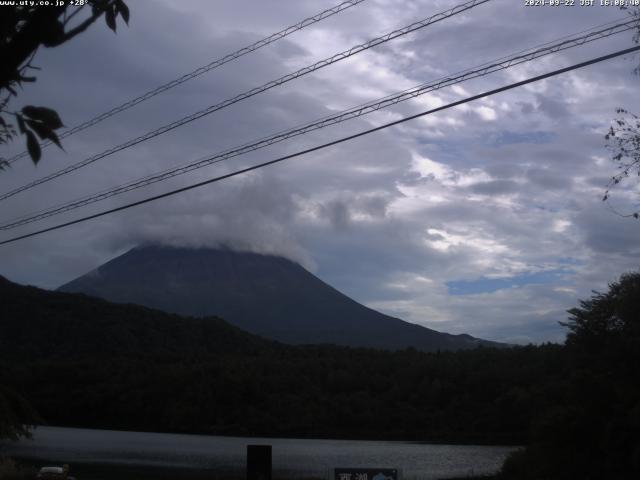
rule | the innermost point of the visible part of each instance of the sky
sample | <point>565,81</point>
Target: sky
<point>485,219</point>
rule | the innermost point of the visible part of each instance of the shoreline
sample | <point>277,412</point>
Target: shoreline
<point>106,454</point>
<point>465,441</point>
<point>108,471</point>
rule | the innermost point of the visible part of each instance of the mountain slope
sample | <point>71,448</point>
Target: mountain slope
<point>36,323</point>
<point>262,294</point>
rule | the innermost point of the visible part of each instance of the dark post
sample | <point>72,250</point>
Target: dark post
<point>258,462</point>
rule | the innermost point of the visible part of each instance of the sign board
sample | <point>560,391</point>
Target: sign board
<point>366,473</point>
<point>258,462</point>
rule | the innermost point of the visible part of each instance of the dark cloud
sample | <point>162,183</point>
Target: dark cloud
<point>337,213</point>
<point>607,233</point>
<point>551,107</point>
<point>495,187</point>
<point>548,179</point>
<point>504,171</point>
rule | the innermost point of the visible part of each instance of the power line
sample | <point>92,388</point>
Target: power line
<point>503,63</point>
<point>199,71</point>
<point>329,144</point>
<point>254,91</point>
<point>485,69</point>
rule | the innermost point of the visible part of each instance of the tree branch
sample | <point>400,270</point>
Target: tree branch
<point>78,29</point>
<point>75,12</point>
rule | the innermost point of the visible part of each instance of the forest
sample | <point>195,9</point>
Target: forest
<point>72,360</point>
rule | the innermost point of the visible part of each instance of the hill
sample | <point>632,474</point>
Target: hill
<point>263,294</point>
<point>44,324</point>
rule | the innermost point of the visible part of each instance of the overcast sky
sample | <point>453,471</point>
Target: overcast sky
<point>484,219</point>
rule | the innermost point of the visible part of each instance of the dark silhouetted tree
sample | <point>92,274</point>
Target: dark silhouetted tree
<point>16,415</point>
<point>611,317</point>
<point>623,138</point>
<point>592,430</point>
<point>24,29</point>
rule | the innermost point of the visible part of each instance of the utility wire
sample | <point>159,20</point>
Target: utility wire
<point>254,91</point>
<point>199,71</point>
<point>329,144</point>
<point>485,69</point>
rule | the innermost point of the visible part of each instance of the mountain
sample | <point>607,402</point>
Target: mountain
<point>263,294</point>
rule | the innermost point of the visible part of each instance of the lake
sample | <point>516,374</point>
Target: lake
<point>101,454</point>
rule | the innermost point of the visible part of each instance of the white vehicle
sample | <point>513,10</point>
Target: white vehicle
<point>54,473</point>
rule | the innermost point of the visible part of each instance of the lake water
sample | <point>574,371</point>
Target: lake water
<point>97,454</point>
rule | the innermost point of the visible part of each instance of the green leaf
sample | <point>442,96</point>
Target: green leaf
<point>123,9</point>
<point>33,147</point>
<point>21,125</point>
<point>44,132</point>
<point>41,130</point>
<point>53,34</point>
<point>53,136</point>
<point>46,115</point>
<point>110,18</point>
